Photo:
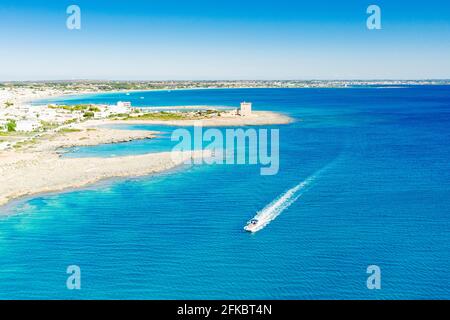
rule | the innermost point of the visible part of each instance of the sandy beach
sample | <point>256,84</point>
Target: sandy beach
<point>257,118</point>
<point>40,169</point>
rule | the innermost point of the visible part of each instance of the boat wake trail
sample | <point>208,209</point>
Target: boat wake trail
<point>276,207</point>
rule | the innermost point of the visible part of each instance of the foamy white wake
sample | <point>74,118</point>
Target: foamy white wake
<point>276,207</point>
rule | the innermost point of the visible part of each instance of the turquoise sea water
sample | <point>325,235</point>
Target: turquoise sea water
<point>383,199</point>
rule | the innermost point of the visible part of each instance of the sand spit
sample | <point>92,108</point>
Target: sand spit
<point>38,168</point>
<point>257,118</point>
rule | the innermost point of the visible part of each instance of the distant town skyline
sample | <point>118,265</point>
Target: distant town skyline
<point>232,40</point>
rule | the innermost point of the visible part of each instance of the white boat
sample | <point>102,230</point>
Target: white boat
<point>252,225</point>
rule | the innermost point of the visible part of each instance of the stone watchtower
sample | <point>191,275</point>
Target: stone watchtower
<point>245,109</point>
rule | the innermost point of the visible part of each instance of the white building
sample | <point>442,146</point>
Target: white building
<point>121,107</point>
<point>245,109</point>
<point>125,104</point>
<point>27,125</point>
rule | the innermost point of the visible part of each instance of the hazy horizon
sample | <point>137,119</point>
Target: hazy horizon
<point>216,79</point>
<point>233,40</point>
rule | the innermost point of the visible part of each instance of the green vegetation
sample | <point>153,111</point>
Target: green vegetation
<point>26,143</point>
<point>167,115</point>
<point>11,126</point>
<point>94,109</point>
<point>48,125</point>
<point>69,130</point>
<point>88,114</point>
<point>70,121</point>
<point>163,115</point>
<point>208,113</point>
<point>78,107</point>
<point>8,104</point>
<point>119,116</point>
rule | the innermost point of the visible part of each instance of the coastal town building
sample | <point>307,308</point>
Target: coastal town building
<point>120,107</point>
<point>245,109</point>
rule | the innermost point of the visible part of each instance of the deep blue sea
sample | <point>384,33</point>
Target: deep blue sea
<point>383,199</point>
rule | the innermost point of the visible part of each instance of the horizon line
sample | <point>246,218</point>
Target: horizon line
<point>223,80</point>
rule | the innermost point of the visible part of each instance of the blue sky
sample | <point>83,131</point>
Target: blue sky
<point>198,39</point>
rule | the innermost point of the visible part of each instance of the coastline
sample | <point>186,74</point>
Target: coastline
<point>54,174</point>
<point>39,168</point>
<point>35,166</point>
<point>257,118</point>
<point>43,170</point>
